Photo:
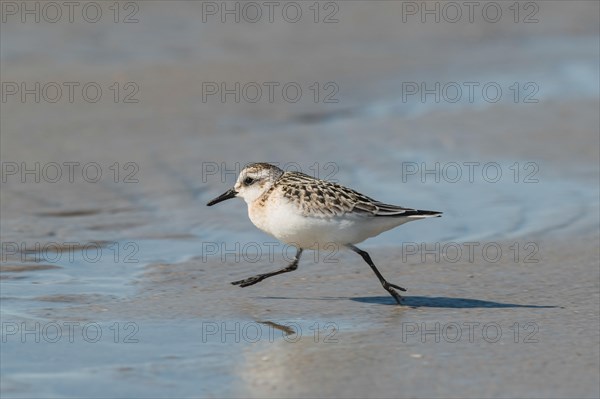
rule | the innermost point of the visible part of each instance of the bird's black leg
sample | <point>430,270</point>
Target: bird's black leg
<point>389,287</point>
<point>260,277</point>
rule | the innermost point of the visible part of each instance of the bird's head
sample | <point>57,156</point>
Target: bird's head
<point>254,180</point>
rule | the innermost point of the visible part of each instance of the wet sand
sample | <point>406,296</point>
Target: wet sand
<point>464,329</point>
<point>140,259</point>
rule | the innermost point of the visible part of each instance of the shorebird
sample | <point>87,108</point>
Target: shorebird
<point>306,212</point>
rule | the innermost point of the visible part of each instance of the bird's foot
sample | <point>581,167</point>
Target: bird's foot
<point>390,288</point>
<point>397,287</point>
<point>249,281</point>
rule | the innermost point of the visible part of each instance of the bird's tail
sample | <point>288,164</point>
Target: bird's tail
<point>419,214</point>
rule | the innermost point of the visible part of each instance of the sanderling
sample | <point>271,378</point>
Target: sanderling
<point>307,213</point>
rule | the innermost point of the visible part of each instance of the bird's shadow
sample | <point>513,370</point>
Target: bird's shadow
<point>444,302</point>
<point>424,302</point>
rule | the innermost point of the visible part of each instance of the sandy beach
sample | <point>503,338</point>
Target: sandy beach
<point>115,276</point>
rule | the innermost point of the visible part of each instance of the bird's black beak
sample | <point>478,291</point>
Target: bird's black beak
<point>231,193</point>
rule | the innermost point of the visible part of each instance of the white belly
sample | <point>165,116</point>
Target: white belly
<point>285,223</point>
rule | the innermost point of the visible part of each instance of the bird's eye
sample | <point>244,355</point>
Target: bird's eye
<point>248,181</point>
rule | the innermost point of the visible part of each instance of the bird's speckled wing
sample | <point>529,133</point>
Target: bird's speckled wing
<point>321,198</point>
